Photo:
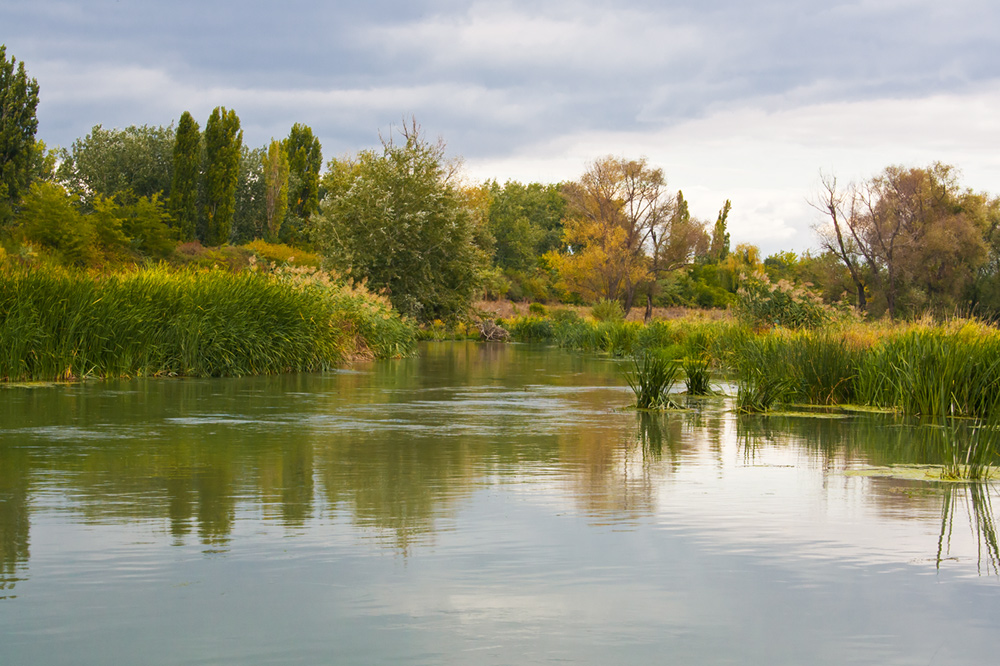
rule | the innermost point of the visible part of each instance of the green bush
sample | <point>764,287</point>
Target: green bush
<point>607,310</point>
<point>760,304</point>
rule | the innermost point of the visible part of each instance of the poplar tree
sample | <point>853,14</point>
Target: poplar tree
<point>276,179</point>
<point>187,170</point>
<point>305,158</point>
<point>719,249</point>
<point>18,124</point>
<point>223,144</point>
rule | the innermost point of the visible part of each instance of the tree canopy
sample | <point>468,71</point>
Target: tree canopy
<point>223,147</point>
<point>395,218</point>
<point>18,124</point>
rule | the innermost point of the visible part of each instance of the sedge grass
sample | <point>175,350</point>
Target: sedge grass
<point>651,378</point>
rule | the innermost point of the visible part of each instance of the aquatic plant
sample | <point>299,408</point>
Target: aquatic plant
<point>760,390</point>
<point>697,376</point>
<point>651,377</point>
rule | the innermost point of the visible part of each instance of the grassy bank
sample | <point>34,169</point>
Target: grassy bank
<point>157,321</point>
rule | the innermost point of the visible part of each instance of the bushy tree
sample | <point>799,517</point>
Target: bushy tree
<point>624,230</point>
<point>250,216</point>
<point>136,161</point>
<point>395,218</point>
<point>186,177</point>
<point>223,147</point>
<point>911,238</point>
<point>525,222</point>
<point>50,217</point>
<point>18,124</point>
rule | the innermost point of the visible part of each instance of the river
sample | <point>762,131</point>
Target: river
<point>478,504</point>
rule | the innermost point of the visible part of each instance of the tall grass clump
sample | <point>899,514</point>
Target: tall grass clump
<point>651,377</point>
<point>608,310</point>
<point>154,321</point>
<point>529,328</point>
<point>697,376</point>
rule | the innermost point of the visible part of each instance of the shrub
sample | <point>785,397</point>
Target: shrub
<point>607,310</point>
<point>761,304</point>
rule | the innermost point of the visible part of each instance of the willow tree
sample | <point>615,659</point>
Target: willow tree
<point>18,124</point>
<point>396,218</point>
<point>223,144</point>
<point>187,172</point>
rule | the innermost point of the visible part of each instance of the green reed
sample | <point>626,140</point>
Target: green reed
<point>651,378</point>
<point>60,325</point>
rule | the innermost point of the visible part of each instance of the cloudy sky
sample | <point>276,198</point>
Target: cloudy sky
<point>733,98</point>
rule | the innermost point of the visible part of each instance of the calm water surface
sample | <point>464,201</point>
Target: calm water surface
<point>479,504</point>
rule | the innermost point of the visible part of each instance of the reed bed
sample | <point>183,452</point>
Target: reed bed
<point>155,321</point>
<point>920,368</point>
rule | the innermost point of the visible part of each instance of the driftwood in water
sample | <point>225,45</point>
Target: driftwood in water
<point>491,332</point>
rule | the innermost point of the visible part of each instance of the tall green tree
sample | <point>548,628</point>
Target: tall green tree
<point>525,222</point>
<point>276,182</point>
<point>719,249</point>
<point>137,161</point>
<point>250,216</point>
<point>187,173</point>
<point>396,218</point>
<point>18,124</point>
<point>223,143</point>
<point>305,159</point>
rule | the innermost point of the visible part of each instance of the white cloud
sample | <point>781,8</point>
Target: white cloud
<point>768,163</point>
<point>491,37</point>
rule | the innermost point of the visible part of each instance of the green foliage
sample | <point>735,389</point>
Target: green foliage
<point>759,391</point>
<point>110,231</point>
<point>137,161</point>
<point>144,222</point>
<point>697,376</point>
<point>719,248</point>
<point>186,176</point>
<point>305,159</point>
<point>531,328</point>
<point>154,322</point>
<point>525,222</point>
<point>250,216</point>
<point>18,124</point>
<point>276,184</point>
<point>395,219</point>
<point>282,255</point>
<point>50,217</point>
<point>607,310</point>
<point>651,378</point>
<point>761,303</point>
<point>223,144</point>
<point>538,309</point>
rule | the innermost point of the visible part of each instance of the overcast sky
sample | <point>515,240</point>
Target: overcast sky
<point>733,98</point>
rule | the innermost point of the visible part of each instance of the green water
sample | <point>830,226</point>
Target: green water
<point>479,504</point>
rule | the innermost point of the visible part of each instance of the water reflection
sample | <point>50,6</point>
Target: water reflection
<point>399,448</point>
<point>979,509</point>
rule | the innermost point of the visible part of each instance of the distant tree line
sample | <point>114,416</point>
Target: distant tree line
<point>400,218</point>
